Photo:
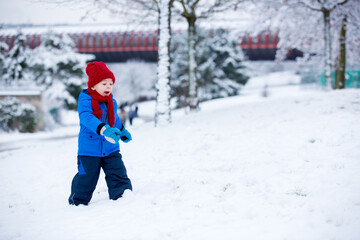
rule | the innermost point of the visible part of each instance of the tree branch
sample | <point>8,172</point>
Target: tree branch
<point>310,7</point>
<point>186,14</point>
<point>339,4</point>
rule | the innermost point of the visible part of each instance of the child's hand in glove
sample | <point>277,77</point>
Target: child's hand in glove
<point>125,136</point>
<point>112,135</point>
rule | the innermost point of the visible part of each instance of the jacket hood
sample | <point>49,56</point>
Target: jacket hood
<point>84,94</point>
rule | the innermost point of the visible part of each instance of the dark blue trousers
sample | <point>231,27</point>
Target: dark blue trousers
<point>84,182</point>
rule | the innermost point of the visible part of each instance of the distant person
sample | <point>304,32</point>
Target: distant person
<point>123,115</point>
<point>133,114</point>
<point>98,141</point>
<point>265,91</point>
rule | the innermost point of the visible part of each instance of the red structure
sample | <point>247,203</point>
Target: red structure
<point>117,46</point>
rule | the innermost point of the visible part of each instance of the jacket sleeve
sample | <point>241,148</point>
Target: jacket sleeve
<point>118,124</point>
<point>87,118</point>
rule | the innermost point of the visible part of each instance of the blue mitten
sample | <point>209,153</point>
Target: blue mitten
<point>125,136</point>
<point>112,135</point>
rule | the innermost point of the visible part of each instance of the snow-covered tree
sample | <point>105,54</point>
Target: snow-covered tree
<point>341,64</point>
<point>308,25</point>
<point>15,63</point>
<point>346,22</point>
<point>219,63</point>
<point>192,10</point>
<point>55,63</point>
<point>326,7</point>
<point>162,109</point>
<point>3,47</point>
<point>140,11</point>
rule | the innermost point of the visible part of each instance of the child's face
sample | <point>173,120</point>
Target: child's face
<point>104,88</point>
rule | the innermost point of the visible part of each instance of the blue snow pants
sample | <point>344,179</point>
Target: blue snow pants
<point>84,182</point>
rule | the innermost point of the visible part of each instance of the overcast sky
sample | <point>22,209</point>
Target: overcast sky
<point>40,12</point>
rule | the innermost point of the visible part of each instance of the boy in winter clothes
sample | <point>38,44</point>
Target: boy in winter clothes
<point>98,141</point>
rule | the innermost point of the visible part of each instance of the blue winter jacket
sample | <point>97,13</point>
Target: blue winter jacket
<point>90,142</point>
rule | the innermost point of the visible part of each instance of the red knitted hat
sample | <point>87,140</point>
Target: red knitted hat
<point>98,71</point>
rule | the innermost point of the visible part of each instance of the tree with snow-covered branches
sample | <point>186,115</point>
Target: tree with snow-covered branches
<point>346,22</point>
<point>15,63</point>
<point>59,69</point>
<point>139,11</point>
<point>192,10</point>
<point>162,109</point>
<point>163,9</point>
<point>308,25</point>
<point>326,7</point>
<point>3,47</point>
<point>219,63</point>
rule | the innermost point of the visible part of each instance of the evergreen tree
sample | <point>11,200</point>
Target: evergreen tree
<point>56,65</point>
<point>220,65</point>
<point>192,10</point>
<point>179,69</point>
<point>15,64</point>
<point>3,47</point>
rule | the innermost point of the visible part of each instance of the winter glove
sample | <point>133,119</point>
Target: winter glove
<point>112,135</point>
<point>125,136</point>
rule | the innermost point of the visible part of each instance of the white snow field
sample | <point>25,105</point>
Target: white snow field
<point>247,167</point>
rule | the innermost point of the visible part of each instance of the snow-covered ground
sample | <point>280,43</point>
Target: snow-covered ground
<point>247,167</point>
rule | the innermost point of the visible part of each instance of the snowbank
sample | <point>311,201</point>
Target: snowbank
<point>284,167</point>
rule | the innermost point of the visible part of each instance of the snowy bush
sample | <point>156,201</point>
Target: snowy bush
<point>15,115</point>
<point>55,67</point>
<point>220,66</point>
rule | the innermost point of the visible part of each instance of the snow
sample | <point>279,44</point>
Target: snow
<point>18,92</point>
<point>246,167</point>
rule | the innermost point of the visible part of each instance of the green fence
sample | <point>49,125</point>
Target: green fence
<point>352,79</point>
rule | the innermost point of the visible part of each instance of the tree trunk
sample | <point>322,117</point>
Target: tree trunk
<point>327,38</point>
<point>340,76</point>
<point>162,108</point>
<point>193,97</point>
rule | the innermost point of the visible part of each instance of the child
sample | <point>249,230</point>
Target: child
<point>98,141</point>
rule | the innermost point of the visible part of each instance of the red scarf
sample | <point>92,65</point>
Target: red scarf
<point>96,99</point>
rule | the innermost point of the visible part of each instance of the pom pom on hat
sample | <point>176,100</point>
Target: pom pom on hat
<point>98,71</point>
